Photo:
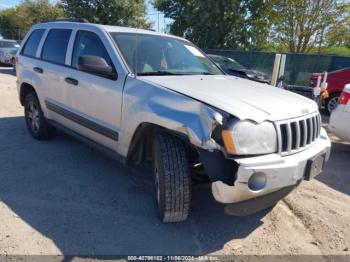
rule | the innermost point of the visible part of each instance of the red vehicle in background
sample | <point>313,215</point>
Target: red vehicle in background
<point>336,81</point>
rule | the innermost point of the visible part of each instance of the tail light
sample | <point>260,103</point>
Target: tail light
<point>344,98</point>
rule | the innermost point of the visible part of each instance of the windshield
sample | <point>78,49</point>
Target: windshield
<point>159,55</point>
<point>8,44</point>
<point>228,63</point>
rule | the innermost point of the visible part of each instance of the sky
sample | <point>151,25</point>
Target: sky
<point>152,14</point>
<point>8,3</point>
<point>154,18</point>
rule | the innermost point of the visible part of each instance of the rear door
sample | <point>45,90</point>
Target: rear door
<point>51,68</point>
<point>27,61</point>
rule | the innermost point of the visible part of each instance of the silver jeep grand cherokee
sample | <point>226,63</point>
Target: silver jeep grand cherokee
<point>141,95</point>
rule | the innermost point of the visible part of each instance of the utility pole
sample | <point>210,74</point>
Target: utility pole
<point>321,40</point>
<point>158,20</point>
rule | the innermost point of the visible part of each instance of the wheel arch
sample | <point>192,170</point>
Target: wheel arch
<point>217,167</point>
<point>141,143</point>
<point>25,89</point>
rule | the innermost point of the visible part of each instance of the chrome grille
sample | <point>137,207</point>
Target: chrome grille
<point>296,134</point>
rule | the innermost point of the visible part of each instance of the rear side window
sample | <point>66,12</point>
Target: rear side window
<point>32,43</point>
<point>55,47</point>
<point>88,43</point>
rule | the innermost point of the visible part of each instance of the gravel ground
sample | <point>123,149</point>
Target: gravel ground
<point>61,197</point>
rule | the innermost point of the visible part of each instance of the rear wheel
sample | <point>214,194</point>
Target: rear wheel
<point>172,178</point>
<point>36,122</point>
<point>332,102</point>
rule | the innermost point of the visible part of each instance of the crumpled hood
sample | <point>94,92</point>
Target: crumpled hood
<point>240,97</point>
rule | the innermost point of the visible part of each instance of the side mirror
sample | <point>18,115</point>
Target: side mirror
<point>96,65</point>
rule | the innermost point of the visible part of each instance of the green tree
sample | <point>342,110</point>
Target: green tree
<point>238,24</point>
<point>15,22</point>
<point>299,25</point>
<point>258,19</point>
<point>338,34</point>
<point>112,12</point>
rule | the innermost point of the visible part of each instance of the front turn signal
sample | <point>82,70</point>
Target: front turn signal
<point>228,141</point>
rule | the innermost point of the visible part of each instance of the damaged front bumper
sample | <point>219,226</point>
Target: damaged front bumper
<point>279,172</point>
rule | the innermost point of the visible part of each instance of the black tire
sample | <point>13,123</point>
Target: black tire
<point>334,97</point>
<point>172,178</point>
<point>40,130</point>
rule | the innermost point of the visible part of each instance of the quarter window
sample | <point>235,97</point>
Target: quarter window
<point>55,47</point>
<point>88,43</point>
<point>31,46</point>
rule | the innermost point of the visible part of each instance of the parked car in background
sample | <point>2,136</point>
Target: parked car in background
<point>340,118</point>
<point>8,50</point>
<point>232,67</point>
<point>336,81</point>
<point>146,96</point>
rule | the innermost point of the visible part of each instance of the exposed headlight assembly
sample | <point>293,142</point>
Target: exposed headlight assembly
<point>249,138</point>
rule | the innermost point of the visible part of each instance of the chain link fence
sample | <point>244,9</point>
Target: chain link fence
<point>14,34</point>
<point>298,68</point>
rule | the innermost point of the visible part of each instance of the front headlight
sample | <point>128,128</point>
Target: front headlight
<point>248,138</point>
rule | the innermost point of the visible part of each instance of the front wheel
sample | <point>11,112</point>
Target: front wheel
<point>172,178</point>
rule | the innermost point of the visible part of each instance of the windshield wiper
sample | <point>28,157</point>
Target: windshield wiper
<point>167,73</point>
<point>159,73</point>
<point>198,73</point>
<point>204,73</point>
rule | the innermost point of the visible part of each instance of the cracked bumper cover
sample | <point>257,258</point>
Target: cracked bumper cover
<point>281,172</point>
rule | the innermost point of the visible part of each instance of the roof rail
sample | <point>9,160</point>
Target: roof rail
<point>76,20</point>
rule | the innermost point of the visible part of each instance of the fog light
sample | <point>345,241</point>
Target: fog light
<point>257,181</point>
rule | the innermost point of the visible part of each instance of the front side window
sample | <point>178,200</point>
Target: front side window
<point>89,44</point>
<point>161,55</point>
<point>31,46</point>
<point>55,47</point>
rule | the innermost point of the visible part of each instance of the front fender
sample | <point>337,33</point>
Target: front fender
<point>144,102</point>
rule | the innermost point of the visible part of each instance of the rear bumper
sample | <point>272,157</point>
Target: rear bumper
<point>280,172</point>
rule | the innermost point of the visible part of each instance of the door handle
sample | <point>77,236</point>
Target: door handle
<point>71,81</point>
<point>38,70</point>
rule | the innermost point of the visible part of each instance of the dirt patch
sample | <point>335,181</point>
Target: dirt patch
<point>62,197</point>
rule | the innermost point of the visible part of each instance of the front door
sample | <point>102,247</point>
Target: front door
<point>92,103</point>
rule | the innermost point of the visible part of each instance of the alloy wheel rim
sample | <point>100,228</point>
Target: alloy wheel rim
<point>33,117</point>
